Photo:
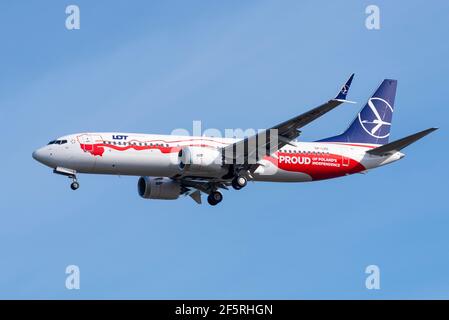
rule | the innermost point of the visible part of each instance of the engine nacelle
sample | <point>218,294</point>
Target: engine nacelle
<point>201,162</point>
<point>158,188</point>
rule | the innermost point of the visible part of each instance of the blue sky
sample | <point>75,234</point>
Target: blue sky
<point>152,67</point>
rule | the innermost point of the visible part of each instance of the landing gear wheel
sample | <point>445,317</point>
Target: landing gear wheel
<point>214,198</point>
<point>239,182</point>
<point>75,185</point>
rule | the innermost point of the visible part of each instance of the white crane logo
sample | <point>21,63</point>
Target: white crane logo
<point>344,89</point>
<point>377,121</point>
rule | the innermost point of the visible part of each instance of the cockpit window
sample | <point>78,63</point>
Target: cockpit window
<point>57,142</point>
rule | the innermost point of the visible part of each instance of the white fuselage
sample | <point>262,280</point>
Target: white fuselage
<point>157,155</point>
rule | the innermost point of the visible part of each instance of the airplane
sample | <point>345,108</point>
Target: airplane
<point>170,166</point>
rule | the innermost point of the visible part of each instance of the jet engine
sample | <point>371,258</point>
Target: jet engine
<point>158,188</point>
<point>201,162</point>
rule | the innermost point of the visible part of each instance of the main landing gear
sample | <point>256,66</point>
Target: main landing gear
<point>239,182</point>
<point>214,198</point>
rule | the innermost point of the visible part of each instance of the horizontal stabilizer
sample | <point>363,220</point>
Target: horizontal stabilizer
<point>397,145</point>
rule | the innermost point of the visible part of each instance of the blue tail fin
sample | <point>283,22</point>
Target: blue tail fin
<point>372,124</point>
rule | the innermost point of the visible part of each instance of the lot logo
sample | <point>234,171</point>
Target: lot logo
<point>373,122</point>
<point>119,137</point>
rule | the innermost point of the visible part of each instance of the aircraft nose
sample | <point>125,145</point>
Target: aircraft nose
<point>38,155</point>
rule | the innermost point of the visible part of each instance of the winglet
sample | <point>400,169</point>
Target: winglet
<point>341,96</point>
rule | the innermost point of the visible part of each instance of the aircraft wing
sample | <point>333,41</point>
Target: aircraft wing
<point>253,148</point>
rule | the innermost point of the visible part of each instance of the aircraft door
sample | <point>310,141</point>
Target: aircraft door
<point>345,161</point>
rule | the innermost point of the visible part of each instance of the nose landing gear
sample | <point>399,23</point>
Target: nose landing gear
<point>74,185</point>
<point>71,174</point>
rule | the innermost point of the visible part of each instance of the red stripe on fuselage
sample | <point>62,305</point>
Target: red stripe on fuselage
<point>99,148</point>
